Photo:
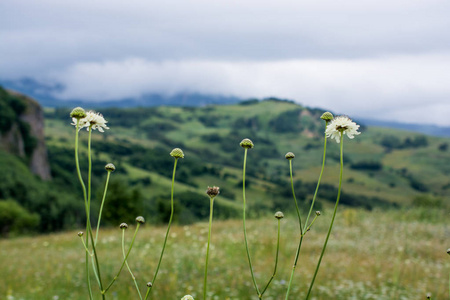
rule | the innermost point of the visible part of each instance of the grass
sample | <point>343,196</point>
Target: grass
<point>397,254</point>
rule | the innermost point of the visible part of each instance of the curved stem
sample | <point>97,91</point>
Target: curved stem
<point>128,267</point>
<point>207,248</point>
<point>124,259</point>
<point>320,176</point>
<point>276,261</point>
<point>245,230</point>
<point>101,206</point>
<point>83,187</point>
<point>167,232</point>
<point>332,219</point>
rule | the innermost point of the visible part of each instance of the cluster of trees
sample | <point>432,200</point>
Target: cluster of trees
<point>394,142</point>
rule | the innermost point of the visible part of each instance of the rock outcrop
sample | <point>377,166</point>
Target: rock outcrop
<point>14,140</point>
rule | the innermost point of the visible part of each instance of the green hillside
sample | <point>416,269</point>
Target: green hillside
<point>384,167</point>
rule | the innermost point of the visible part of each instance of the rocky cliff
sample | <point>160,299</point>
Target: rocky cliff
<point>22,131</point>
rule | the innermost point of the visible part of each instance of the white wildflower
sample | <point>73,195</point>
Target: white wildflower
<point>92,119</point>
<point>342,124</point>
<point>187,297</point>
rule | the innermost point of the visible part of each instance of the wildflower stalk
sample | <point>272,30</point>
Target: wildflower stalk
<point>302,233</point>
<point>320,176</point>
<point>83,187</point>
<point>332,219</point>
<point>126,263</point>
<point>245,230</point>
<point>276,259</point>
<point>309,227</point>
<point>149,288</point>
<point>101,206</point>
<point>124,259</point>
<point>207,247</point>
<point>89,228</point>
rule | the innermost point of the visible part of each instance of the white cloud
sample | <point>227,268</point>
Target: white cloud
<point>397,87</point>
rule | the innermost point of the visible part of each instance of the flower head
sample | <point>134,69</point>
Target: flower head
<point>177,153</point>
<point>212,191</point>
<point>123,226</point>
<point>246,143</point>
<point>327,116</point>
<point>289,155</point>
<point>342,125</point>
<point>80,234</point>
<point>279,215</point>
<point>140,220</point>
<point>110,167</point>
<point>78,113</point>
<point>187,297</point>
<point>93,120</point>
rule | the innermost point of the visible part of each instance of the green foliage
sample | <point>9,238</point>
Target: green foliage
<point>288,121</point>
<point>393,142</point>
<point>367,165</point>
<point>57,208</point>
<point>427,201</point>
<point>122,203</point>
<point>15,219</point>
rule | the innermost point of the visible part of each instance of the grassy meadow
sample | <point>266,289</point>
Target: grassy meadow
<point>389,240</point>
<point>395,254</point>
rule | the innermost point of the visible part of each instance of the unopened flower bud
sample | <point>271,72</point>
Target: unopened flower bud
<point>78,113</point>
<point>110,167</point>
<point>140,220</point>
<point>187,297</point>
<point>289,155</point>
<point>246,143</point>
<point>149,284</point>
<point>318,213</point>
<point>327,116</point>
<point>279,215</point>
<point>177,153</point>
<point>123,226</point>
<point>448,251</point>
<point>80,234</point>
<point>212,191</point>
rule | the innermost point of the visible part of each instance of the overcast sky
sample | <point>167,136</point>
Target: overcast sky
<point>381,59</point>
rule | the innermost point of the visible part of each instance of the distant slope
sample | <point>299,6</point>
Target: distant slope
<point>422,128</point>
<point>383,167</point>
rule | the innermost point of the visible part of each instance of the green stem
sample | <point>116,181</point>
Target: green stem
<point>83,187</point>
<point>309,214</point>
<point>276,261</point>
<point>128,267</point>
<point>332,219</point>
<point>84,244</point>
<point>320,176</point>
<point>90,234</point>
<point>167,232</point>
<point>301,232</point>
<point>309,227</point>
<point>207,248</point>
<point>101,206</point>
<point>245,230</point>
<point>124,260</point>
